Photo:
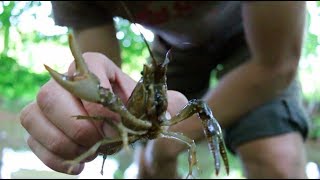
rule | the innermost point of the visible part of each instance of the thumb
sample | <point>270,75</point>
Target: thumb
<point>176,101</point>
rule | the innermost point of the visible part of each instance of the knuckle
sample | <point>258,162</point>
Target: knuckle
<point>57,145</point>
<point>91,108</point>
<point>45,100</point>
<point>94,109</point>
<point>25,114</point>
<point>30,143</point>
<point>81,133</point>
<point>95,55</point>
<point>100,59</point>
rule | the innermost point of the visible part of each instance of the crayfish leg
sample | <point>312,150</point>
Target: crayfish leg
<point>95,118</point>
<point>103,161</point>
<point>119,125</point>
<point>90,152</point>
<point>192,159</point>
<point>124,131</point>
<point>211,127</point>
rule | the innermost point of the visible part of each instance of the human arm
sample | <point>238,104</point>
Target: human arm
<point>100,39</point>
<point>92,25</point>
<point>274,32</point>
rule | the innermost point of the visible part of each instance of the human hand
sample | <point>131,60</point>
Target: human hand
<point>55,136</point>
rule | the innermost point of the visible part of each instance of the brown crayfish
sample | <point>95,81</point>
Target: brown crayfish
<point>144,115</point>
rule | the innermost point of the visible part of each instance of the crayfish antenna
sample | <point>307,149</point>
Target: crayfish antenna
<point>132,19</point>
<point>167,60</point>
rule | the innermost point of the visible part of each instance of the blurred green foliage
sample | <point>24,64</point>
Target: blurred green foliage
<point>311,41</point>
<point>134,51</point>
<point>19,85</point>
<point>11,11</point>
<point>315,129</point>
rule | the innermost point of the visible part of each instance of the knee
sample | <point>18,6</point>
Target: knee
<point>273,158</point>
<point>275,167</point>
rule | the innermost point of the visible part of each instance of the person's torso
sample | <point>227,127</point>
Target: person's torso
<point>181,22</point>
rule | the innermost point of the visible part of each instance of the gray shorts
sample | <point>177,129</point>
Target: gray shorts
<point>189,73</point>
<point>283,114</point>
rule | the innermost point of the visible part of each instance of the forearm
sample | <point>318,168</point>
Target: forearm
<point>239,92</point>
<point>245,88</point>
<point>100,39</point>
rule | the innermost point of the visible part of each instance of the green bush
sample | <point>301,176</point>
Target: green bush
<point>18,84</point>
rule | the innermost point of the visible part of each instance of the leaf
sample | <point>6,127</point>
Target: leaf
<point>310,46</point>
<point>311,40</point>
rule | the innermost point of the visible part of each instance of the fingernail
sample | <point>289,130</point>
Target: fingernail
<point>75,169</point>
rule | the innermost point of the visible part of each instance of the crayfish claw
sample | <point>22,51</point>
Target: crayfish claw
<point>216,154</point>
<point>86,88</point>
<point>81,67</point>
<point>218,149</point>
<point>223,153</point>
<point>83,84</point>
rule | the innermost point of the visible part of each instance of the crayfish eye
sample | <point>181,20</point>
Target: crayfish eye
<point>141,73</point>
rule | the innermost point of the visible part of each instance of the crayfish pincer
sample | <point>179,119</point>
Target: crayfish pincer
<point>144,115</point>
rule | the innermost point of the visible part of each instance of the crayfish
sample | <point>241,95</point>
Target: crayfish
<point>143,117</point>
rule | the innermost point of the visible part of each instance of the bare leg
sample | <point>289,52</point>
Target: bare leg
<point>280,156</point>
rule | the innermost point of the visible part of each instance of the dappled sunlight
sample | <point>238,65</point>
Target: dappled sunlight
<point>309,76</point>
<point>43,23</point>
<point>315,17</point>
<point>56,56</point>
